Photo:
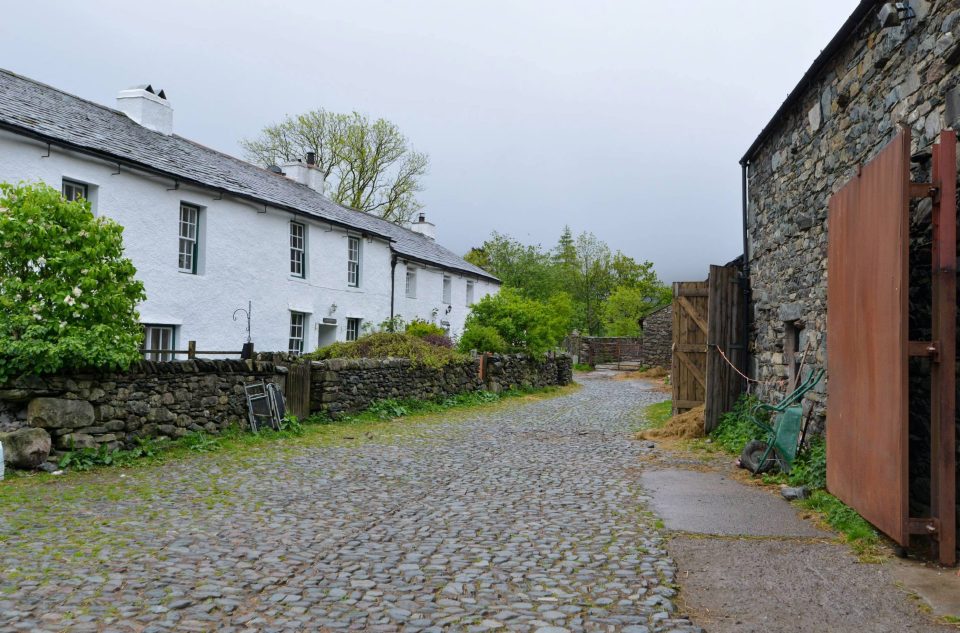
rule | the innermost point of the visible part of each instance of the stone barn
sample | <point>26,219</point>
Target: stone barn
<point>890,65</point>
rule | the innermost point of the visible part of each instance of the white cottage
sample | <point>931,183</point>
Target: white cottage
<point>209,233</point>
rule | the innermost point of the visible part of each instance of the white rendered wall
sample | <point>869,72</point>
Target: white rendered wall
<point>244,256</point>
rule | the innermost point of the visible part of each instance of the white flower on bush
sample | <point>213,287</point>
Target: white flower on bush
<point>69,300</point>
<point>41,261</point>
<point>18,297</point>
<point>63,324</point>
<point>37,317</point>
<point>77,292</point>
<point>84,306</point>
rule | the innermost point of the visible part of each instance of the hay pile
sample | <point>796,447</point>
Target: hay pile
<point>653,372</point>
<point>685,426</point>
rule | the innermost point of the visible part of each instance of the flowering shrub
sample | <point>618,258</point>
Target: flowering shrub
<point>68,296</point>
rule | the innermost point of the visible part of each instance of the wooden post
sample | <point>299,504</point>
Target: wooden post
<point>191,349</point>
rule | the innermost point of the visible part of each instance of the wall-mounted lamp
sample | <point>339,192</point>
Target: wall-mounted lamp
<point>333,308</point>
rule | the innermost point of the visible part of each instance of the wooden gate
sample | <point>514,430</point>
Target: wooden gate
<point>298,390</point>
<point>867,339</point>
<point>688,371</point>
<point>724,330</point>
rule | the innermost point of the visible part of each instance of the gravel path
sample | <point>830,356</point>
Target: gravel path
<point>524,517</point>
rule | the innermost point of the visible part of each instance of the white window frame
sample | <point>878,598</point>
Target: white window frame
<point>298,333</point>
<point>470,286</point>
<point>70,189</point>
<point>353,261</point>
<point>447,289</point>
<point>298,249</point>
<point>158,336</point>
<point>353,328</point>
<point>189,231</point>
<point>411,286</point>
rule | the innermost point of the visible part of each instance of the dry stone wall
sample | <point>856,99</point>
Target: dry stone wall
<point>153,399</point>
<point>345,385</point>
<point>848,113</point>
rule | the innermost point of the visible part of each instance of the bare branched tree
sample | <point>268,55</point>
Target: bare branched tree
<point>368,166</point>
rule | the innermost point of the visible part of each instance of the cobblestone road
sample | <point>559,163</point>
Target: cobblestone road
<point>526,517</point>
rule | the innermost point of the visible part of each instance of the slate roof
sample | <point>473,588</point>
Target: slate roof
<point>36,109</point>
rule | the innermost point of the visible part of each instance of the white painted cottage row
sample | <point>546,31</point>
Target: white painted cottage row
<point>202,252</point>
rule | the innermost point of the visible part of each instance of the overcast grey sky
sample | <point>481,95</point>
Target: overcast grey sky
<point>620,117</point>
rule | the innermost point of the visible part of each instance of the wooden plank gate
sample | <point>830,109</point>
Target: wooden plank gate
<point>867,337</point>
<point>297,392</point>
<point>689,367</point>
<point>724,329</point>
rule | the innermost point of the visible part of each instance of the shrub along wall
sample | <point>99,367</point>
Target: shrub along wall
<point>150,399</point>
<point>344,385</point>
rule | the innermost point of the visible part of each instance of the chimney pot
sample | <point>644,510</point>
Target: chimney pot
<point>147,108</point>
<point>424,228</point>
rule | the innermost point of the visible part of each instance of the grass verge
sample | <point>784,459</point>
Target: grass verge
<point>656,415</point>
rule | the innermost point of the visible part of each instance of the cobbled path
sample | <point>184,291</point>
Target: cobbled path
<point>526,517</point>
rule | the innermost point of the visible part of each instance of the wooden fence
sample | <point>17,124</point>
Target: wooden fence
<point>707,325</point>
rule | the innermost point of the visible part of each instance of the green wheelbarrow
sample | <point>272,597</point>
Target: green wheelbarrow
<point>782,434</point>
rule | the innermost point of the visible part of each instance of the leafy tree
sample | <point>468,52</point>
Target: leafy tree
<point>368,165</point>
<point>624,309</point>
<point>526,325</point>
<point>68,296</point>
<point>523,267</point>
<point>482,338</point>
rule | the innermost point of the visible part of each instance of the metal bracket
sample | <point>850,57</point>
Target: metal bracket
<point>923,526</point>
<point>175,187</point>
<point>925,349</point>
<point>924,190</point>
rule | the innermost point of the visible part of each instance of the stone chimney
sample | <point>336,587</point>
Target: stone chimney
<point>424,228</point>
<point>147,107</point>
<point>305,172</point>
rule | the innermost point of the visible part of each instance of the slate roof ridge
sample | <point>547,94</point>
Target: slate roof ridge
<point>241,177</point>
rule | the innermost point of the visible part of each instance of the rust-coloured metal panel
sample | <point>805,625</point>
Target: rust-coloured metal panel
<point>867,284</point>
<point>943,374</point>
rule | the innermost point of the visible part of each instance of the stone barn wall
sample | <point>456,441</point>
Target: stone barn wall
<point>658,338</point>
<point>847,113</point>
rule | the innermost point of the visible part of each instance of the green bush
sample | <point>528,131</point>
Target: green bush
<point>525,325</point>
<point>735,428</point>
<point>421,329</point>
<point>391,345</point>
<point>482,338</point>
<point>68,296</point>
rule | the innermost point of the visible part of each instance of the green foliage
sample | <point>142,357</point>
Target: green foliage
<point>810,467</point>
<point>842,518</point>
<point>68,296</point>
<point>86,458</point>
<point>526,325</point>
<point>735,428</point>
<point>627,305</point>
<point>391,345</point>
<point>200,442</point>
<point>388,409</point>
<point>582,367</point>
<point>292,426</point>
<point>584,270</point>
<point>422,329</point>
<point>482,338</point>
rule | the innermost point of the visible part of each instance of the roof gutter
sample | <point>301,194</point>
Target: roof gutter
<point>111,158</point>
<point>432,264</point>
<point>856,19</point>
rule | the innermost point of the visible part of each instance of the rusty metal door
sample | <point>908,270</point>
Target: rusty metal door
<point>298,390</point>
<point>688,372</point>
<point>868,346</point>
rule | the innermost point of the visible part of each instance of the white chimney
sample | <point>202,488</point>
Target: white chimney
<point>424,228</point>
<point>148,108</point>
<point>306,173</point>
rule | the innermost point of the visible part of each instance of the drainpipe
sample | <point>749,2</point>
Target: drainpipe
<point>393,283</point>
<point>745,274</point>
